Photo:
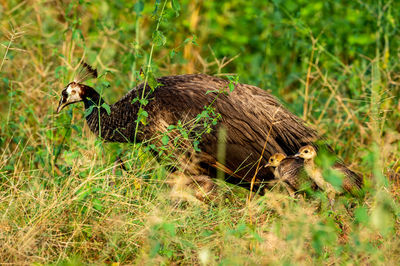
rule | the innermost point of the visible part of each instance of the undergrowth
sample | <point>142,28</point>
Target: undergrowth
<point>64,200</point>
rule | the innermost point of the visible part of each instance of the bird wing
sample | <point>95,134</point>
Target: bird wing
<point>293,172</point>
<point>254,119</point>
<point>352,182</point>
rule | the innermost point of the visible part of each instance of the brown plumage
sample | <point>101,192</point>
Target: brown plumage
<point>290,170</point>
<point>249,115</point>
<point>351,182</point>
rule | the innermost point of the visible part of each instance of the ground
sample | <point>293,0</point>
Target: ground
<point>335,64</point>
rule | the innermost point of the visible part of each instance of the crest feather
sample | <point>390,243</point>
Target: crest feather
<point>85,72</point>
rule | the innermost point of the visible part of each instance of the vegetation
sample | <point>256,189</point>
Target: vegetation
<point>334,63</point>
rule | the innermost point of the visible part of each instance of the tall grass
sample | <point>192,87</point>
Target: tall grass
<point>62,200</point>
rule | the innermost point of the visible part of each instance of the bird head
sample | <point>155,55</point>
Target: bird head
<point>74,92</point>
<point>306,152</point>
<point>275,159</point>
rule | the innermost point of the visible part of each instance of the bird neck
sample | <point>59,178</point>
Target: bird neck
<point>92,98</point>
<point>309,165</point>
<point>97,117</point>
<point>310,162</point>
<point>277,173</point>
<point>111,123</point>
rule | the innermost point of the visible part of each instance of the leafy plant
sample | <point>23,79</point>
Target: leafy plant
<point>64,198</point>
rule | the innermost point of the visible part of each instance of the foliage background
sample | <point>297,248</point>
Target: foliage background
<point>334,63</point>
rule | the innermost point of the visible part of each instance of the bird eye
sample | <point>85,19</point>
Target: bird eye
<point>306,151</point>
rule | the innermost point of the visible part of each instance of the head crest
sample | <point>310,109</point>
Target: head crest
<point>85,72</point>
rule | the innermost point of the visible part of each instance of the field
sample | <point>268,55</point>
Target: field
<point>62,200</point>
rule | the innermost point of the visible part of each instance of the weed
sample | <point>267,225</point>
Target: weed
<point>62,201</point>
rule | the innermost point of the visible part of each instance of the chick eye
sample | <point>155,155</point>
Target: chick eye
<point>306,151</point>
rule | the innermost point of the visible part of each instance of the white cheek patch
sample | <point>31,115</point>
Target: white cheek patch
<point>73,93</point>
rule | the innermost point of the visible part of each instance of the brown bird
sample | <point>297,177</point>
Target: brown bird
<point>351,182</point>
<point>249,115</point>
<point>290,169</point>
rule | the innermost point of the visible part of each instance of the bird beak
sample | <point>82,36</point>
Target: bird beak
<point>61,105</point>
<point>297,155</point>
<point>267,165</point>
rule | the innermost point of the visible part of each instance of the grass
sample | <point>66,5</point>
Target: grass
<point>61,202</point>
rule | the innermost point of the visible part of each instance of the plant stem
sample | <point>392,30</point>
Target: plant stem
<point>147,71</point>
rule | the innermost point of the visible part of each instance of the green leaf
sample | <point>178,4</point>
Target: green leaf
<point>154,249</point>
<point>156,5</point>
<point>6,82</point>
<point>334,177</point>
<point>142,115</point>
<point>231,86</point>
<point>143,101</point>
<point>77,34</point>
<point>138,7</point>
<point>169,228</point>
<point>105,84</point>
<point>77,129</point>
<point>196,145</point>
<point>107,107</point>
<point>361,215</point>
<point>172,53</point>
<point>97,204</point>
<point>165,140</point>
<point>176,6</point>
<point>194,40</point>
<point>152,81</point>
<point>185,135</point>
<point>159,38</point>
<point>211,91</point>
<point>89,110</point>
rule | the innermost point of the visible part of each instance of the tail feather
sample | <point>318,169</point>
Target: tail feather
<point>352,182</point>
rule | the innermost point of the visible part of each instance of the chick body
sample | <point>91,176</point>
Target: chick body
<point>290,170</point>
<point>352,183</point>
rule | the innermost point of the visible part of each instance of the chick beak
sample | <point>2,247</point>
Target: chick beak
<point>297,155</point>
<point>267,165</point>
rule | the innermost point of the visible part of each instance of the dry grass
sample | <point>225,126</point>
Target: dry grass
<point>61,201</point>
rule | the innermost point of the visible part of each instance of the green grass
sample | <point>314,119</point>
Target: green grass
<point>333,63</point>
